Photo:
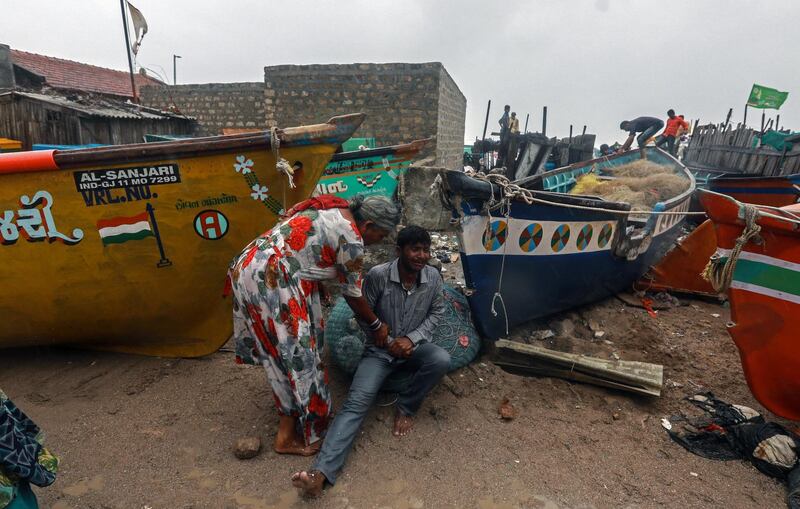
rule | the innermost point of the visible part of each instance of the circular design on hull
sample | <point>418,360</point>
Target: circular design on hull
<point>584,237</point>
<point>560,238</point>
<point>211,224</point>
<point>530,237</point>
<point>495,235</point>
<point>605,235</point>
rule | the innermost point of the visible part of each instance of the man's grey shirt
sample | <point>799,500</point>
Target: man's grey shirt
<point>412,313</point>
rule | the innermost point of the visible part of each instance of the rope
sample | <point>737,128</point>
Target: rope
<point>499,293</point>
<point>281,164</point>
<point>720,274</point>
<point>511,190</point>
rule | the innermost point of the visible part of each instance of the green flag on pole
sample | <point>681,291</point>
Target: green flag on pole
<point>764,97</point>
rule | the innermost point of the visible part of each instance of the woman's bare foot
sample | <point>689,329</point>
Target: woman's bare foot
<point>296,446</point>
<point>310,482</point>
<point>287,441</point>
<point>402,424</point>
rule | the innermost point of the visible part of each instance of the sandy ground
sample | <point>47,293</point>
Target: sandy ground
<point>138,432</point>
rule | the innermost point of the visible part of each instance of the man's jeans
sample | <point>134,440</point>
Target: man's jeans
<point>429,363</point>
<point>649,133</point>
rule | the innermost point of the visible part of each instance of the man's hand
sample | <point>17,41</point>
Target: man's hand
<point>401,348</point>
<point>381,335</point>
<point>324,296</point>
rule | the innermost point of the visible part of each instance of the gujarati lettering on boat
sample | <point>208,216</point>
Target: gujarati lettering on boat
<point>34,221</point>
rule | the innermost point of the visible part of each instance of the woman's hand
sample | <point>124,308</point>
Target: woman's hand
<point>381,335</point>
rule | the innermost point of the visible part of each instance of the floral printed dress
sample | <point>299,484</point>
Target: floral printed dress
<point>277,314</point>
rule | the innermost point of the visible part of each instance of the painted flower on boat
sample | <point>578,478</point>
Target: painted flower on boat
<point>259,192</point>
<point>243,165</point>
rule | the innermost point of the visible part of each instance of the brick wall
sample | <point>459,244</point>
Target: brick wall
<point>451,123</point>
<point>403,102</point>
<point>214,105</point>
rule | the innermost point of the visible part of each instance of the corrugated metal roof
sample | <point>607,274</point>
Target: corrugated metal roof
<point>105,109</point>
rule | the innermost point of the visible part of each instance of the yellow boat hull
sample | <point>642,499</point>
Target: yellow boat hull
<point>131,254</point>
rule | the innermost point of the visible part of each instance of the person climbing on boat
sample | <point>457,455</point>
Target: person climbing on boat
<point>674,123</point>
<point>23,458</point>
<point>647,126</point>
<point>407,294</point>
<point>277,311</point>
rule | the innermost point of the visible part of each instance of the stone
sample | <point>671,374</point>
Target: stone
<point>247,447</point>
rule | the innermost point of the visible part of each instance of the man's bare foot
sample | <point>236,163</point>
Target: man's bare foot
<point>310,482</point>
<point>296,446</point>
<point>402,424</point>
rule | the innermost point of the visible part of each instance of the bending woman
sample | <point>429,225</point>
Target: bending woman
<point>277,313</point>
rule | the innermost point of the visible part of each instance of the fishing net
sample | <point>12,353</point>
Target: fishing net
<point>640,183</point>
<point>455,333</point>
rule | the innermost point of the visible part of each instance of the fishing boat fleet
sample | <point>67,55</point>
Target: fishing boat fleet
<point>125,248</point>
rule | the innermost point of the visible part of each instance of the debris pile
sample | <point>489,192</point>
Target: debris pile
<point>444,249</point>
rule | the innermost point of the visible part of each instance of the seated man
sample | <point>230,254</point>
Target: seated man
<point>406,294</point>
<point>648,126</point>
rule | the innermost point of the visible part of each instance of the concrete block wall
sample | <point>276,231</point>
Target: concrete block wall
<point>214,105</point>
<point>403,102</point>
<point>451,123</point>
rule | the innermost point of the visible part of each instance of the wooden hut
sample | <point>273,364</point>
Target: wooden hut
<point>36,118</point>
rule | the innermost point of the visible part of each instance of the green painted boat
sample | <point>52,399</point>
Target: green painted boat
<point>371,172</point>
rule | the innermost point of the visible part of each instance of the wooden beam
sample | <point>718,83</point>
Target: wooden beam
<point>637,377</point>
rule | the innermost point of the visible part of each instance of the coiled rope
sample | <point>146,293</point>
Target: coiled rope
<point>719,273</point>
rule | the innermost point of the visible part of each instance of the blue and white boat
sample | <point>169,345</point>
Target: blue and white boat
<point>528,260</point>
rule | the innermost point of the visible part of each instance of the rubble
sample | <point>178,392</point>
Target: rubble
<point>247,447</point>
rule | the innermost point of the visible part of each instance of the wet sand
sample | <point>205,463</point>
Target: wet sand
<point>137,432</point>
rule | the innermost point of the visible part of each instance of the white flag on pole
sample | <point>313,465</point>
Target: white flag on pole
<point>139,27</point>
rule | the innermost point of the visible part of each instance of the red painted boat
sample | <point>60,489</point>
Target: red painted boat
<point>679,270</point>
<point>764,292</point>
<point>773,191</point>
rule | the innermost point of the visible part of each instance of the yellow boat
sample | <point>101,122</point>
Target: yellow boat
<point>126,248</point>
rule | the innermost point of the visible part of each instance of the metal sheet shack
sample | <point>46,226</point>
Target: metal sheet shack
<point>57,120</point>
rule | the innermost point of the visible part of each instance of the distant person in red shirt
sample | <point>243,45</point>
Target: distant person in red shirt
<point>674,123</point>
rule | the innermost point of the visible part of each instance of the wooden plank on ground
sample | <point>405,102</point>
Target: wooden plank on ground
<point>638,377</point>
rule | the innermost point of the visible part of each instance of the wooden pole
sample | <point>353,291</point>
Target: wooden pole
<point>728,118</point>
<point>584,131</point>
<point>544,121</point>
<point>761,138</point>
<point>128,49</point>
<point>744,122</point>
<point>486,122</point>
<point>570,134</point>
<point>777,122</point>
<point>526,121</point>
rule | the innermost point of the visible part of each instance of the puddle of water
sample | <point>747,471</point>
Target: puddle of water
<point>96,483</point>
<point>396,486</point>
<point>287,500</point>
<point>208,483</point>
<point>249,502</point>
<point>488,503</point>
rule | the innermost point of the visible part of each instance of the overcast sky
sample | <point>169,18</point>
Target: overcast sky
<point>592,62</point>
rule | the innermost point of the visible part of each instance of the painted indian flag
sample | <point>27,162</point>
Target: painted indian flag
<point>122,229</point>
